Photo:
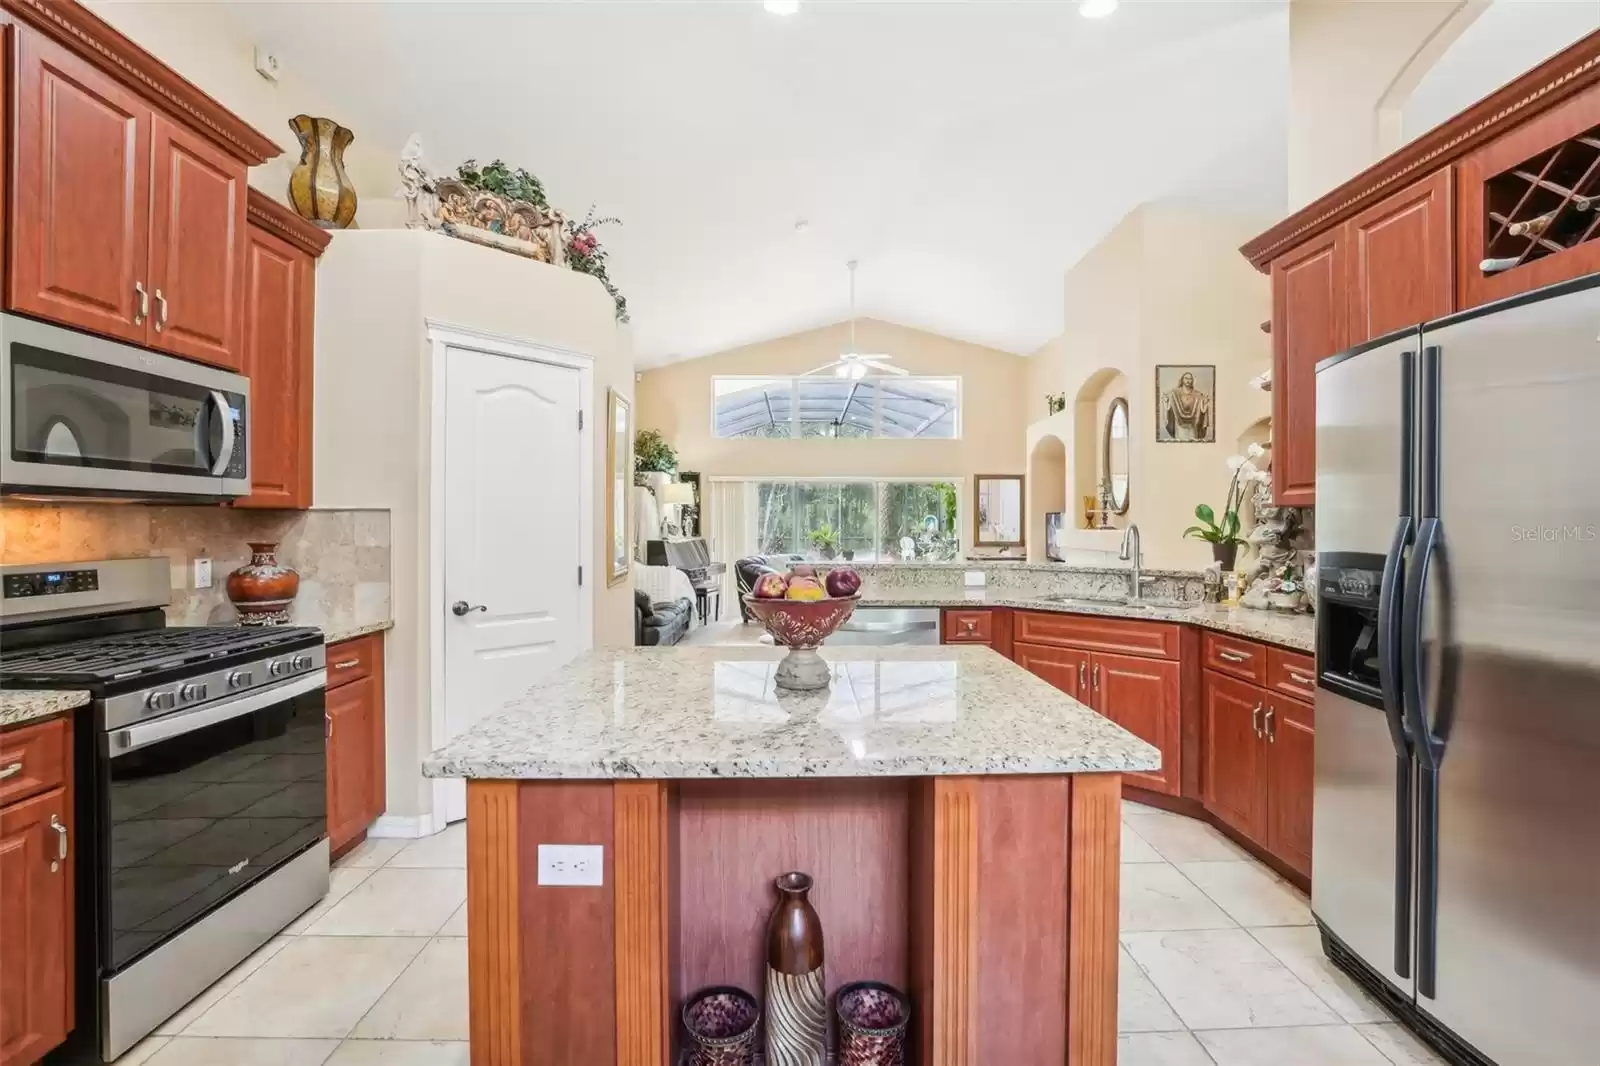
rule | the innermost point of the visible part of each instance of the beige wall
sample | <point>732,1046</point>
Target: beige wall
<point>376,291</point>
<point>676,400</point>
<point>202,42</point>
<point>1166,286</point>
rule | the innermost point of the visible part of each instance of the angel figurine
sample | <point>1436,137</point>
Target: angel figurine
<point>417,188</point>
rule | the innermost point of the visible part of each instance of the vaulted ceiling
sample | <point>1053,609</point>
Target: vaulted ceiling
<point>965,153</point>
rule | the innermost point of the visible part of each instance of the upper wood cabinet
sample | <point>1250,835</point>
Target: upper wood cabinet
<point>279,290</point>
<point>126,208</point>
<point>80,187</point>
<point>197,247</point>
<point>1308,324</point>
<point>1401,259</point>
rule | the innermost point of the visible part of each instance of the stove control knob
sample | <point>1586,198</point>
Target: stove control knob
<point>161,701</point>
<point>189,693</point>
<point>302,662</point>
<point>239,679</point>
<point>279,667</point>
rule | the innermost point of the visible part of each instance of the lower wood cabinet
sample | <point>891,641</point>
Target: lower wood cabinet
<point>1260,766</point>
<point>1065,668</point>
<point>356,786</point>
<point>36,887</point>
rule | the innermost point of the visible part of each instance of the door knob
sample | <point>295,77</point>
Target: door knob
<point>462,607</point>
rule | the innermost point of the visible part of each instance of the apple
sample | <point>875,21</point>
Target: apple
<point>802,570</point>
<point>770,586</point>
<point>843,582</point>
<point>805,588</point>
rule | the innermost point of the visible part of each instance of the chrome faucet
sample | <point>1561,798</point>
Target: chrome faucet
<point>1131,537</point>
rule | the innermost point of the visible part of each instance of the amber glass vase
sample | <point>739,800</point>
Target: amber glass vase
<point>797,999</point>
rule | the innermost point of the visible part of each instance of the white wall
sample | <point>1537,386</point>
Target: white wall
<point>375,289</point>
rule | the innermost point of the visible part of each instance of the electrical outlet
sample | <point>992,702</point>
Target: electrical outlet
<point>202,573</point>
<point>266,64</point>
<point>572,864</point>
<point>974,579</point>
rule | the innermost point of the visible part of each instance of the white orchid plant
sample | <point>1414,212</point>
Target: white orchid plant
<point>1245,474</point>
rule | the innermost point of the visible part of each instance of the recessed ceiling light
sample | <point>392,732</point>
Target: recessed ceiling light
<point>788,7</point>
<point>1096,9</point>
<point>801,225</point>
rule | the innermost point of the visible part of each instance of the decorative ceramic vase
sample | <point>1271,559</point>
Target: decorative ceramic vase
<point>873,1018</point>
<point>721,1025</point>
<point>801,626</point>
<point>319,190</point>
<point>1225,553</point>
<point>263,589</point>
<point>797,1001</point>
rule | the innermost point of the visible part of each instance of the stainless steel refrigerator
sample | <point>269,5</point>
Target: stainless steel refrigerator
<point>1456,856</point>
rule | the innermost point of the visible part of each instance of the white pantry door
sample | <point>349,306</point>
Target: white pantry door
<point>512,533</point>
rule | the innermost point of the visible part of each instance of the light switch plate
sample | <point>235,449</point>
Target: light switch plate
<point>572,864</point>
<point>202,573</point>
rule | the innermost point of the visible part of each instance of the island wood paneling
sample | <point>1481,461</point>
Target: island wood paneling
<point>1022,923</point>
<point>944,908</point>
<point>494,958</point>
<point>735,837</point>
<point>1094,854</point>
<point>642,811</point>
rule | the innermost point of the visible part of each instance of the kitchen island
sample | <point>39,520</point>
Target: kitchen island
<point>959,816</point>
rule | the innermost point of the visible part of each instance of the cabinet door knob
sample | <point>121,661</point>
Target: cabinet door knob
<point>327,725</point>
<point>1096,675</point>
<point>1272,728</point>
<point>143,311</point>
<point>1083,670</point>
<point>161,311</point>
<point>1255,721</point>
<point>61,843</point>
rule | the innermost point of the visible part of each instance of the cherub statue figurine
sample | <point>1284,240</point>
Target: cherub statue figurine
<point>417,187</point>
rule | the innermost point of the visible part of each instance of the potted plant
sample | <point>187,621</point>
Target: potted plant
<point>654,460</point>
<point>826,540</point>
<point>1224,534</point>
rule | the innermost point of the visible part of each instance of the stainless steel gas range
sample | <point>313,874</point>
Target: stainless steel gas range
<point>200,778</point>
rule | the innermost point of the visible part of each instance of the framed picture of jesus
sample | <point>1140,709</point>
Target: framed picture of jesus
<point>1186,404</point>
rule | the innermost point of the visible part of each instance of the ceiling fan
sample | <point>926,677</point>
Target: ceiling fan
<point>853,363</point>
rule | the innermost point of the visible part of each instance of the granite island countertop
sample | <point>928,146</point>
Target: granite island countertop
<point>1297,631</point>
<point>712,712</point>
<point>20,705</point>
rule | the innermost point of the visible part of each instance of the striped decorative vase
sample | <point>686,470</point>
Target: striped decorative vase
<point>319,190</point>
<point>797,998</point>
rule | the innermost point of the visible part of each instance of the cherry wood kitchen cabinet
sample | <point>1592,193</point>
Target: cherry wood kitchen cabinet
<point>126,203</point>
<point>1402,259</point>
<point>1143,696</point>
<point>1065,668</point>
<point>990,626</point>
<point>1234,762</point>
<point>1309,316</point>
<point>356,786</point>
<point>197,247</point>
<point>36,885</point>
<point>78,232</point>
<point>1291,780</point>
<point>279,294</point>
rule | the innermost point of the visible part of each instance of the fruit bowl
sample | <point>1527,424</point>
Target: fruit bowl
<point>800,626</point>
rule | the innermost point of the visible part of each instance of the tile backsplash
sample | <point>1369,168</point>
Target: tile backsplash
<point>342,556</point>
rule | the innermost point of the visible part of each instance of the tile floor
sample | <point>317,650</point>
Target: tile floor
<point>1220,967</point>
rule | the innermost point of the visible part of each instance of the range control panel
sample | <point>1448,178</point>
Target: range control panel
<point>51,583</point>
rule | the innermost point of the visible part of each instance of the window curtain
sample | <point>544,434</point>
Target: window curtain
<point>730,527</point>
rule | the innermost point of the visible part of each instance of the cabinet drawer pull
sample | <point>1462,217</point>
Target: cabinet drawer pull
<point>61,843</point>
<point>970,624</point>
<point>10,771</point>
<point>1255,721</point>
<point>1272,728</point>
<point>327,725</point>
<point>144,303</point>
<point>1302,678</point>
<point>346,664</point>
<point>1232,656</point>
<point>161,311</point>
<point>1097,676</point>
<point>1083,680</point>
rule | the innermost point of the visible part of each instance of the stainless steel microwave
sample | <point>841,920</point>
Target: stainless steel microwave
<point>85,416</point>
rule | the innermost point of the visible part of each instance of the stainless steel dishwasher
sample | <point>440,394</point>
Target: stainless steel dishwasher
<point>889,625</point>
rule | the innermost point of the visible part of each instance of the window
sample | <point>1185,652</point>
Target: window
<point>866,521</point>
<point>875,406</point>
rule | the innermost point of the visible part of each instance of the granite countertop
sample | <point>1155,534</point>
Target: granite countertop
<point>334,634</point>
<point>699,712</point>
<point>24,705</point>
<point>1297,631</point>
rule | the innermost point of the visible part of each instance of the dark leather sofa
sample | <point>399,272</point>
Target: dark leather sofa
<point>660,624</point>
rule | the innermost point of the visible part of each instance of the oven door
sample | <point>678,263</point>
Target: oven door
<point>88,416</point>
<point>201,804</point>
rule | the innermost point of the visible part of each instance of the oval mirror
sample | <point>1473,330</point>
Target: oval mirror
<point>1114,455</point>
